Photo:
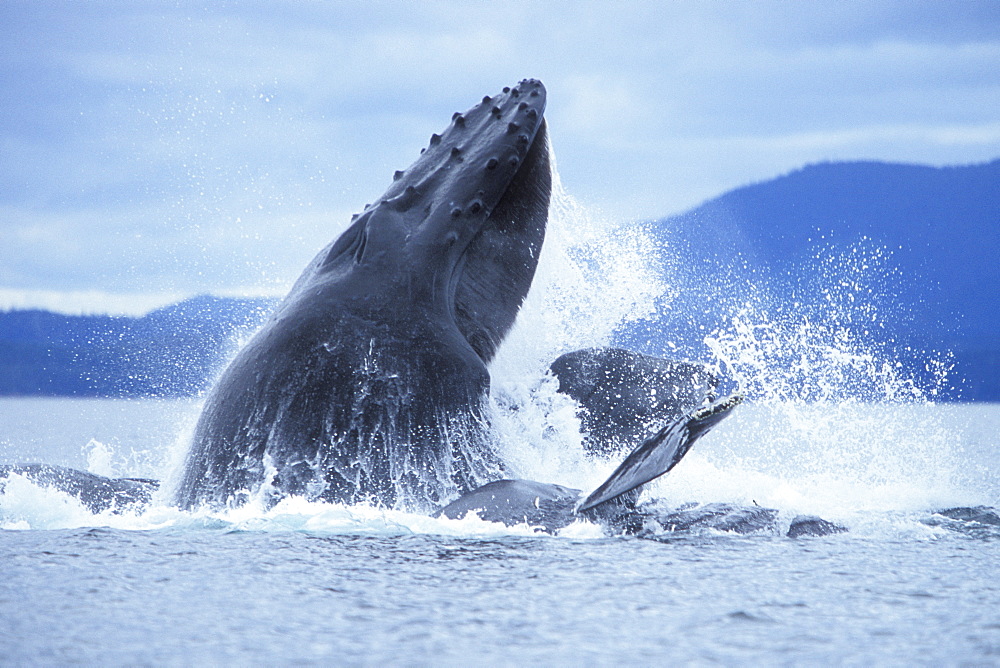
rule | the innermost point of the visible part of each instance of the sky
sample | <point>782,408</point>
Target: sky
<point>151,151</point>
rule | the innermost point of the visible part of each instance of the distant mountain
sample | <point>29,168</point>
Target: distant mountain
<point>907,257</point>
<point>173,351</point>
<point>917,248</point>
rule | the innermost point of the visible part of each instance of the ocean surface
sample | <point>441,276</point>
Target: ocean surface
<point>317,583</point>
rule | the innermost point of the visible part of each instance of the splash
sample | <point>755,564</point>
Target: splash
<point>839,424</point>
<point>25,505</point>
<point>790,357</point>
<point>593,275</point>
<point>820,336</point>
<point>100,459</point>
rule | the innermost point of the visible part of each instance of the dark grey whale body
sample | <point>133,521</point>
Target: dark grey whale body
<point>367,383</point>
<point>625,397</point>
<point>97,493</point>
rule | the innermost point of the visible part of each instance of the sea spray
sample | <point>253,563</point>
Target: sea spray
<point>592,275</point>
<point>837,423</point>
<point>174,456</point>
<point>100,459</point>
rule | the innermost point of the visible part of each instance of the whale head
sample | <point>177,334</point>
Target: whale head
<point>464,224</point>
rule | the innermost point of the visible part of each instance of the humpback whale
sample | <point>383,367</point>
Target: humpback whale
<point>368,381</point>
<point>625,396</point>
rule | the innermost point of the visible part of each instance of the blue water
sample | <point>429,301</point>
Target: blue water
<point>100,596</point>
<point>318,583</point>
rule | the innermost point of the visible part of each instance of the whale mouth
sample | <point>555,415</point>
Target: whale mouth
<point>486,182</point>
<point>499,264</point>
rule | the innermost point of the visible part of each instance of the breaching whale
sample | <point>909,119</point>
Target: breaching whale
<point>368,381</point>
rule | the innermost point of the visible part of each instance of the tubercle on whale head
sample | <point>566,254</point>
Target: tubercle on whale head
<point>463,225</point>
<point>460,177</point>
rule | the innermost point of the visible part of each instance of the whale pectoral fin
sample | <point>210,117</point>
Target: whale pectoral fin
<point>660,453</point>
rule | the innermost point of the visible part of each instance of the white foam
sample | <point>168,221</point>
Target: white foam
<point>99,459</point>
<point>26,505</point>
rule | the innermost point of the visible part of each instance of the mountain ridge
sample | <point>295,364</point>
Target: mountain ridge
<point>921,244</point>
<point>935,231</point>
<point>172,351</point>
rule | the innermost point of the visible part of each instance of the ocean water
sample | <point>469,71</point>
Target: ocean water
<point>832,427</point>
<point>318,583</point>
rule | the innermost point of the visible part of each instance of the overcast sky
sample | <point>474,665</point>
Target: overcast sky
<point>151,150</point>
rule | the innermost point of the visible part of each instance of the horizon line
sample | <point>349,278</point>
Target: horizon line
<point>98,302</point>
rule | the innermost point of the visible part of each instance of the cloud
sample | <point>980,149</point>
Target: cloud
<point>185,147</point>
